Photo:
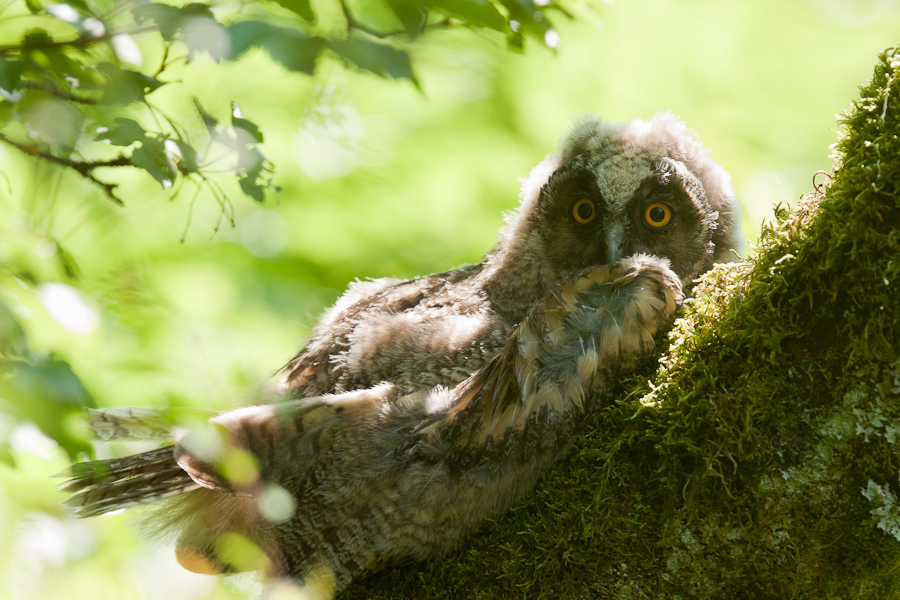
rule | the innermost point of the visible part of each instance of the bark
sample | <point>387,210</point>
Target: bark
<point>760,460</point>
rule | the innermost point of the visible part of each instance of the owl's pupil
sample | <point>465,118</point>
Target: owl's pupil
<point>585,211</point>
<point>657,214</point>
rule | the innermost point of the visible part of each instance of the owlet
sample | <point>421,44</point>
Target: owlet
<point>419,408</point>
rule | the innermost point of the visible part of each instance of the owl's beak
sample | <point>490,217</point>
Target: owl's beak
<point>613,246</point>
<point>614,235</point>
<point>612,252</point>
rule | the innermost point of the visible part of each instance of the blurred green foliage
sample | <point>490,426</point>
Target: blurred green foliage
<point>74,77</point>
<point>395,137</point>
<point>72,71</point>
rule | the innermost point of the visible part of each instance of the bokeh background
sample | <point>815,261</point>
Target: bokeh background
<point>379,178</point>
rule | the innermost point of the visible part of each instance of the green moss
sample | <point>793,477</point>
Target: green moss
<point>761,459</point>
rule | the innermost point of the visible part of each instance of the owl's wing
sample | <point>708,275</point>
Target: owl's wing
<point>575,344</point>
<point>226,455</point>
<point>416,334</point>
<point>235,468</point>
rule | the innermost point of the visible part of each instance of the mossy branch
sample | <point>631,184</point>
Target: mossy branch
<point>761,459</point>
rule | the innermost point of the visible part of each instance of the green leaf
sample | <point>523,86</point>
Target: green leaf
<point>250,159</point>
<point>411,15</point>
<point>126,86</point>
<point>299,7</point>
<point>80,5</point>
<point>208,120</point>
<point>153,158</point>
<point>292,48</point>
<point>531,19</point>
<point>170,20</point>
<point>50,120</point>
<point>515,41</point>
<point>239,121</point>
<point>474,12</point>
<point>6,455</point>
<point>49,394</point>
<point>251,187</point>
<point>67,261</point>
<point>123,133</point>
<point>36,37</point>
<point>380,59</point>
<point>13,341</point>
<point>10,74</point>
<point>188,157</point>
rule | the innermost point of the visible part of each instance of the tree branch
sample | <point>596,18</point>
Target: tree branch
<point>760,459</point>
<point>82,41</point>
<point>83,168</point>
<point>352,24</point>
<point>54,91</point>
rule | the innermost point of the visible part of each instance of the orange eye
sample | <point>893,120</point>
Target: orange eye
<point>583,211</point>
<point>658,215</point>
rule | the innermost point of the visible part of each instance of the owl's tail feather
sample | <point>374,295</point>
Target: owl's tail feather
<point>133,423</point>
<point>101,486</point>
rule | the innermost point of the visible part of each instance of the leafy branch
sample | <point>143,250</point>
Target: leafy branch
<point>83,168</point>
<point>83,41</point>
<point>79,77</point>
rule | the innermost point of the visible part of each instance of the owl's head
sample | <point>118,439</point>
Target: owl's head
<point>618,189</point>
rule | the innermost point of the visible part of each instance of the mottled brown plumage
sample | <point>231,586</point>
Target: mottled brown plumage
<point>420,407</point>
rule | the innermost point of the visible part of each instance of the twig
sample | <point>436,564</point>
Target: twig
<point>54,91</point>
<point>83,168</point>
<point>81,41</point>
<point>352,24</point>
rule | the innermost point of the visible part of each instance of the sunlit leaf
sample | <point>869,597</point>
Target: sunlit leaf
<point>292,48</point>
<point>250,187</point>
<point>81,5</point>
<point>10,73</point>
<point>515,41</point>
<point>66,261</point>
<point>411,15</point>
<point>380,59</point>
<point>475,12</point>
<point>13,341</point>
<point>6,455</point>
<point>47,393</point>
<point>171,19</point>
<point>208,120</point>
<point>250,159</point>
<point>126,86</point>
<point>50,120</point>
<point>57,61</point>
<point>188,157</point>
<point>299,7</point>
<point>124,132</point>
<point>530,18</point>
<point>36,37</point>
<point>239,121</point>
<point>153,158</point>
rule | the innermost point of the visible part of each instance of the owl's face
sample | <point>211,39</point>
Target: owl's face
<point>643,187</point>
<point>594,214</point>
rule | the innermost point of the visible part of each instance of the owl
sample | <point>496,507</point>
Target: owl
<point>419,408</point>
<point>613,191</point>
